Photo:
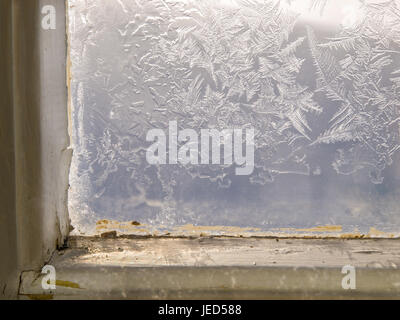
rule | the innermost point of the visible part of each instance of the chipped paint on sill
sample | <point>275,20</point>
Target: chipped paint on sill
<point>67,284</point>
<point>375,233</point>
<point>111,229</point>
<point>327,228</point>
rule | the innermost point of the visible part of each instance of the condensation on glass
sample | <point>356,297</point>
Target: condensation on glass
<point>318,80</point>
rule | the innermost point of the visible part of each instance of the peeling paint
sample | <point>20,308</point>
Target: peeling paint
<point>111,229</point>
<point>327,228</point>
<point>373,232</point>
<point>190,228</point>
<point>67,284</point>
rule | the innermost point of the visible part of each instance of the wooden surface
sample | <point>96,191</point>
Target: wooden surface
<point>214,268</point>
<point>379,253</point>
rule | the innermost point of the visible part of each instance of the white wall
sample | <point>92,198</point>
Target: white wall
<point>35,215</point>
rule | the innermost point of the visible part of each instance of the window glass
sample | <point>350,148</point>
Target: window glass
<point>239,115</point>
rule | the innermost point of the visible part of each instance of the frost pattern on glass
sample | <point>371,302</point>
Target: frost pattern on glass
<point>318,80</point>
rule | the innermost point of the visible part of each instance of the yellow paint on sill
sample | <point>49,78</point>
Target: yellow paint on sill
<point>223,229</point>
<point>328,228</point>
<point>373,232</point>
<point>66,284</point>
<point>189,230</point>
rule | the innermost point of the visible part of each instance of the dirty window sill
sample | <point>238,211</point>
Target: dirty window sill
<point>215,268</point>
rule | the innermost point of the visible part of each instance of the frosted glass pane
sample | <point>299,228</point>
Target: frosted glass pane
<point>317,81</point>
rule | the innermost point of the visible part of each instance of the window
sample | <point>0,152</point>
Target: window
<point>276,119</point>
<point>234,117</point>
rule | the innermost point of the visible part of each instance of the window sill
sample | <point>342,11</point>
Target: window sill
<point>219,268</point>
